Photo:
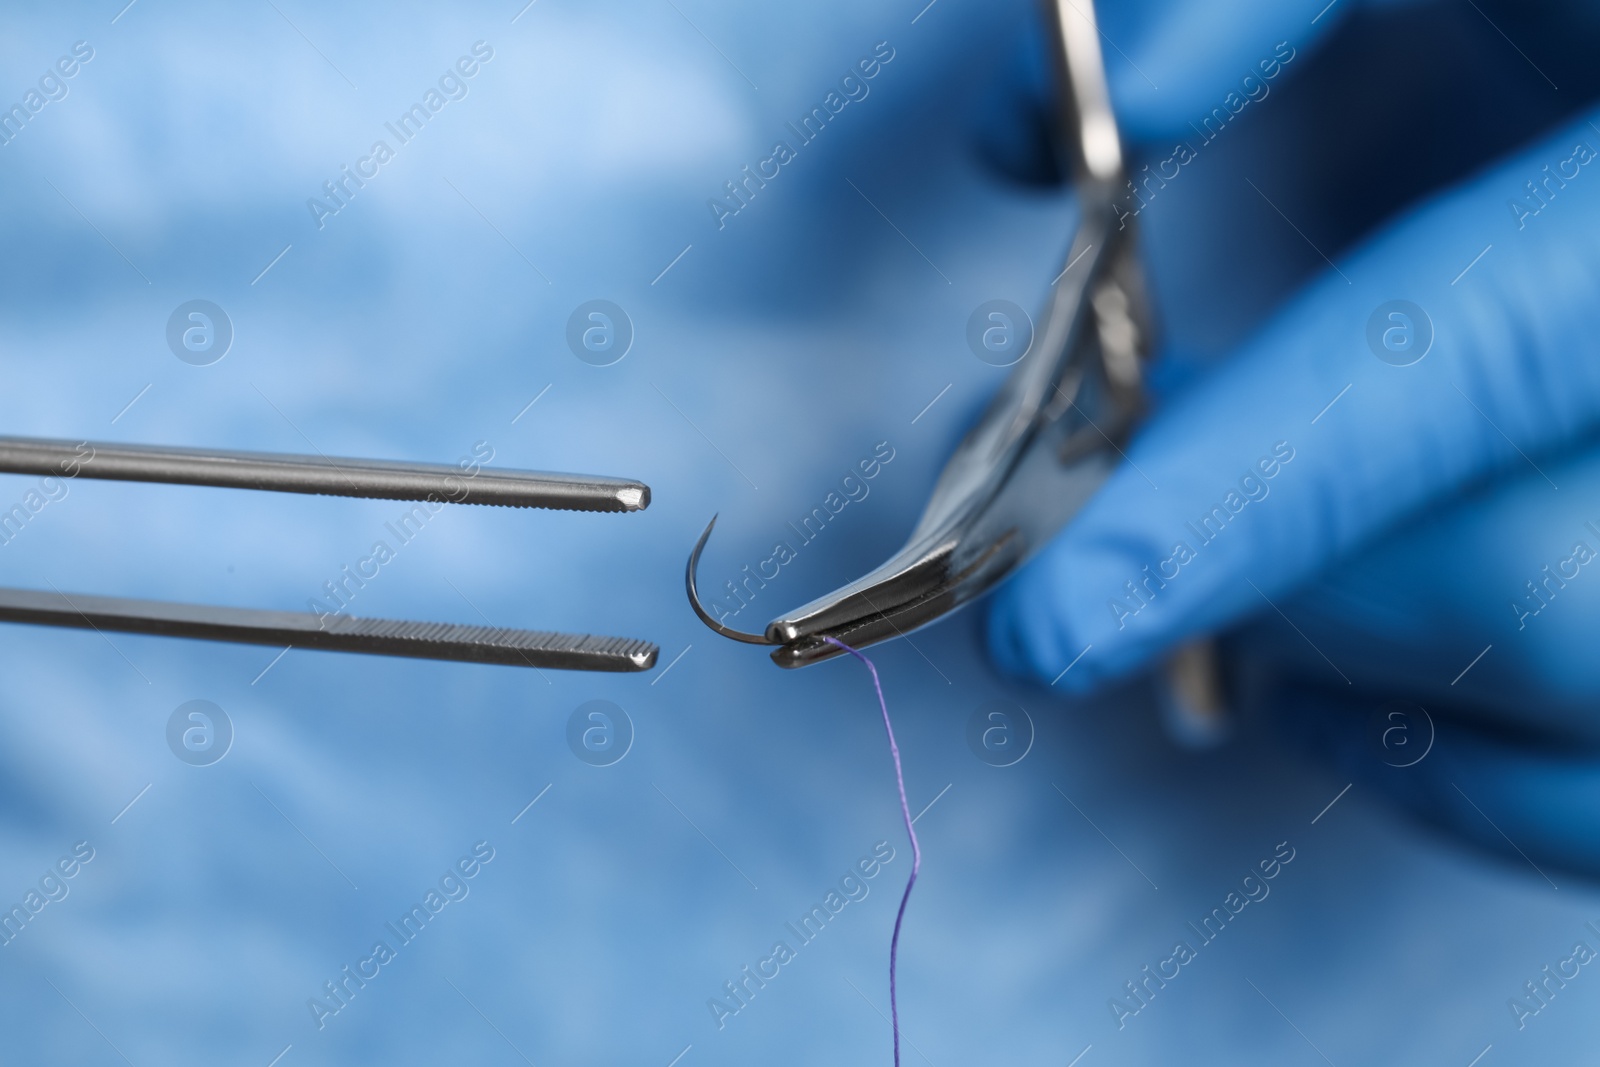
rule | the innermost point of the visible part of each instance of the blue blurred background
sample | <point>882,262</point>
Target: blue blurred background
<point>770,354</point>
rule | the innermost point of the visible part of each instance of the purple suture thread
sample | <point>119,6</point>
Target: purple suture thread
<point>916,849</point>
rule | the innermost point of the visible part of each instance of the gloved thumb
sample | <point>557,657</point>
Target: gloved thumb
<point>1457,343</point>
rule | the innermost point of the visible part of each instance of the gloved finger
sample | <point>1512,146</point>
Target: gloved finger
<point>1314,438</point>
<point>1487,605</point>
<point>1169,63</point>
<point>1535,800</point>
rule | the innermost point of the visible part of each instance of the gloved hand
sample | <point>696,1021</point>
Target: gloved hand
<point>1376,501</point>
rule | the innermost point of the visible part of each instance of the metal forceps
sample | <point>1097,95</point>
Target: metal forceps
<point>1051,435</point>
<point>379,479</point>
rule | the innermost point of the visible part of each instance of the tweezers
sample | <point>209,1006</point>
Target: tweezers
<point>375,479</point>
<point>1051,435</point>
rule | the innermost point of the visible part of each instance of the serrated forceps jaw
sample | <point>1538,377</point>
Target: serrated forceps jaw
<point>336,632</point>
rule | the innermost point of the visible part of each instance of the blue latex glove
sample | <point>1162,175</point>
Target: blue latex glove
<point>1370,550</point>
